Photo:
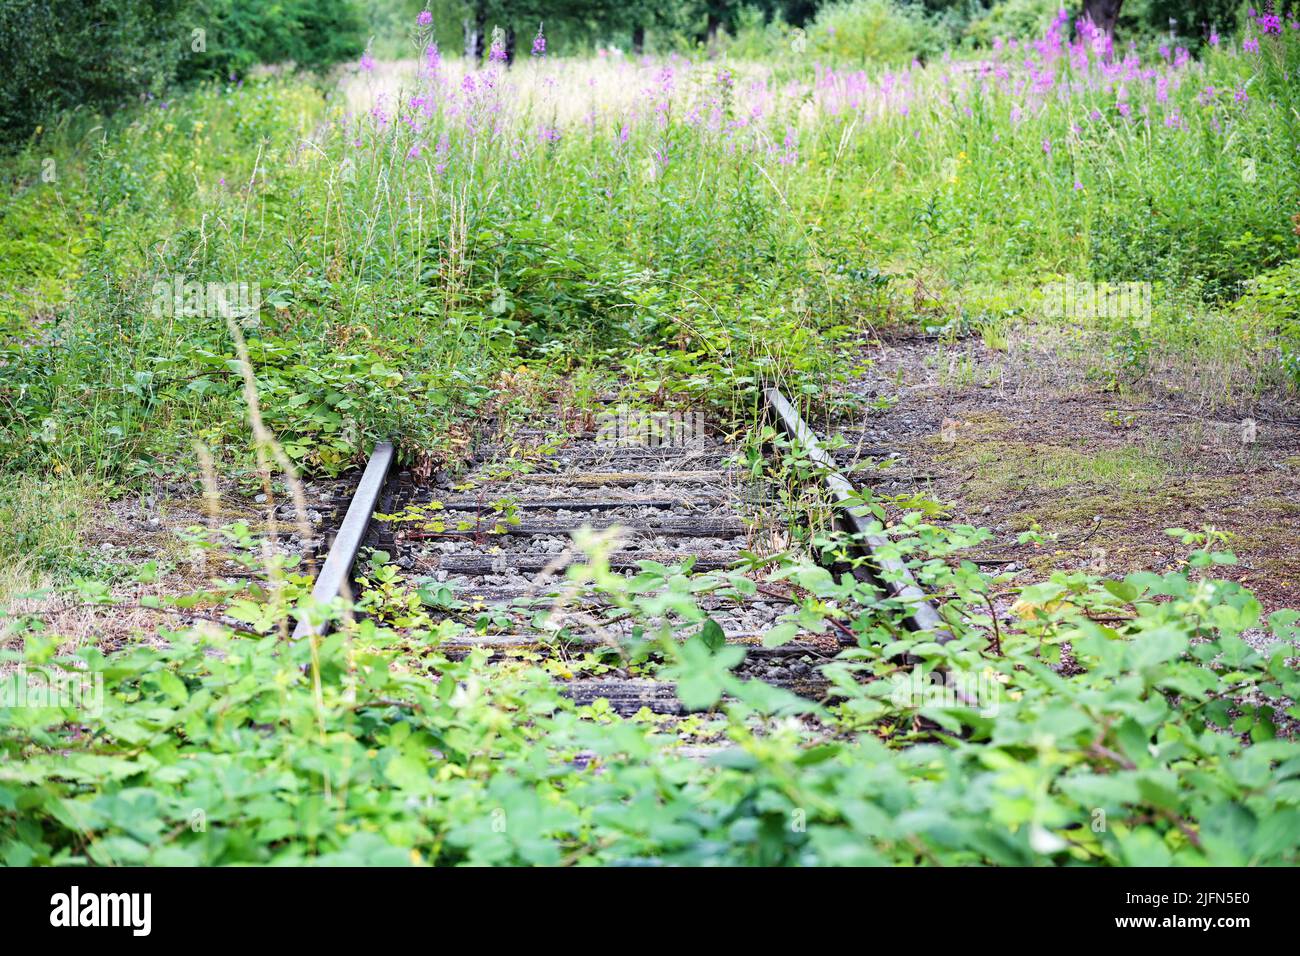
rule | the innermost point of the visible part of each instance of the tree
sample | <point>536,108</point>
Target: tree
<point>1103,13</point>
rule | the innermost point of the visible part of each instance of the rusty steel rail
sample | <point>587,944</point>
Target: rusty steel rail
<point>333,578</point>
<point>891,572</point>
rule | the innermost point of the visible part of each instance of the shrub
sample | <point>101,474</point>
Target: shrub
<point>877,31</point>
<point>61,54</point>
<point>240,34</point>
<point>1012,18</point>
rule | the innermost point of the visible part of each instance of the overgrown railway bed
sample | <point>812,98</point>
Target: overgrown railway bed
<point>493,546</point>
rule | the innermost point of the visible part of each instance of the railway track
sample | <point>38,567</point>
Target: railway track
<point>495,545</point>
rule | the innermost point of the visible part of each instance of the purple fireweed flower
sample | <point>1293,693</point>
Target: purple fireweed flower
<point>1125,109</point>
<point>1078,186</point>
<point>1095,115</point>
<point>367,61</point>
<point>414,151</point>
<point>1269,23</point>
<point>1250,45</point>
<point>1214,38</point>
<point>1240,95</point>
<point>425,18</point>
<point>539,43</point>
<point>440,154</point>
<point>1047,147</point>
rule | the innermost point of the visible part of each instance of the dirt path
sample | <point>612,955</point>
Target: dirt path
<point>1006,439</point>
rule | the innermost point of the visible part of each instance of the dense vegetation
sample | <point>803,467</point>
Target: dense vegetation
<point>700,225</point>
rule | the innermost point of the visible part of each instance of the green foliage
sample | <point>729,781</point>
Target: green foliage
<point>240,34</point>
<point>230,746</point>
<point>91,54</point>
<point>1011,18</point>
<point>875,31</point>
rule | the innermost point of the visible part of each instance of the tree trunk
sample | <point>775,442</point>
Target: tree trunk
<point>1103,14</point>
<point>714,25</point>
<point>638,40</point>
<point>475,34</point>
<point>510,46</point>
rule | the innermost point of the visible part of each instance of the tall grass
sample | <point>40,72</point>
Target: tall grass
<point>716,224</point>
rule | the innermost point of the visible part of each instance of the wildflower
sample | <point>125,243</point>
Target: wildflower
<point>425,18</point>
<point>444,147</point>
<point>1095,114</point>
<point>1047,147</point>
<point>367,61</point>
<point>539,43</point>
<point>1214,38</point>
<point>1270,23</point>
<point>1250,45</point>
<point>497,53</point>
<point>1078,186</point>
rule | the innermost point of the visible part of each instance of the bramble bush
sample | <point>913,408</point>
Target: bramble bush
<point>234,745</point>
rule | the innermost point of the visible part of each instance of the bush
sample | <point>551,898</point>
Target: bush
<point>240,34</point>
<point>96,54</point>
<point>61,54</point>
<point>1013,18</point>
<point>877,31</point>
